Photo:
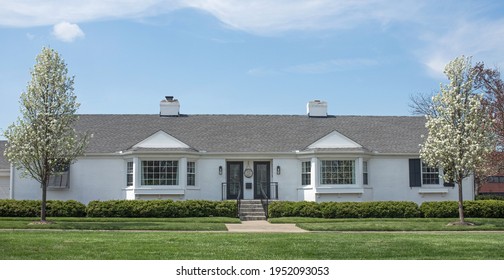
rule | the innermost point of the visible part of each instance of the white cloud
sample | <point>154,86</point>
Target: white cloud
<point>28,13</point>
<point>257,16</point>
<point>270,17</point>
<point>331,66</point>
<point>30,36</point>
<point>67,32</point>
<point>481,39</point>
<point>320,67</point>
<point>437,30</point>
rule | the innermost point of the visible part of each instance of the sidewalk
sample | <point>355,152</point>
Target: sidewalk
<point>262,226</point>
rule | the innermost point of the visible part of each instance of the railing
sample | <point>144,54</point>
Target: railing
<point>238,197</point>
<point>238,202</point>
<point>265,198</point>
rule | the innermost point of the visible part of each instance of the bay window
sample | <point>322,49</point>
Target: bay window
<point>337,172</point>
<point>159,173</point>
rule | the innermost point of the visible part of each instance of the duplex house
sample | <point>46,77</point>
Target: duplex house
<point>311,157</point>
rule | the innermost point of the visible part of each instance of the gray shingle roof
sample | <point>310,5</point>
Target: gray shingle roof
<point>254,133</point>
<point>4,164</point>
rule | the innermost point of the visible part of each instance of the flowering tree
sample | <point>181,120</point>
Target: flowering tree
<point>460,135</point>
<point>490,83</point>
<point>43,142</point>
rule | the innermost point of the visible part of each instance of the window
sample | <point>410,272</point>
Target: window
<point>430,175</point>
<point>306,173</point>
<point>160,173</point>
<point>61,180</point>
<point>191,173</point>
<point>495,179</point>
<point>129,174</point>
<point>337,172</point>
<point>365,173</point>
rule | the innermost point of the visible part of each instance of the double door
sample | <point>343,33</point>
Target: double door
<point>261,179</point>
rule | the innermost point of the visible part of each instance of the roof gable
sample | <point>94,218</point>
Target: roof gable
<point>160,140</point>
<point>334,140</point>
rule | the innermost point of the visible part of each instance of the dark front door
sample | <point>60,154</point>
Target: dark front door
<point>261,179</point>
<point>234,179</point>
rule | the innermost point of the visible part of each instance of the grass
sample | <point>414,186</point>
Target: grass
<point>168,224</point>
<point>102,245</point>
<point>410,224</point>
<point>95,242</point>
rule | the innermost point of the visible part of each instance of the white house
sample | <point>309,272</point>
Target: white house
<point>313,157</point>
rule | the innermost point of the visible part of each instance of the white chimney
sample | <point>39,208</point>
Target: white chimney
<point>169,107</point>
<point>317,108</point>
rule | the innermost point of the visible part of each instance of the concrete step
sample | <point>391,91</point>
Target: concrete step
<point>252,218</point>
<point>252,210</point>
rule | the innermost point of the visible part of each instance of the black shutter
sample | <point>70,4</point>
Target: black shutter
<point>415,172</point>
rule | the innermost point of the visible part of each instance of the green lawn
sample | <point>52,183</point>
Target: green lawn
<point>410,224</point>
<point>77,245</point>
<point>183,224</point>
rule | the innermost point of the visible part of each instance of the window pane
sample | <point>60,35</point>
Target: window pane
<point>305,173</point>
<point>430,175</point>
<point>365,173</point>
<point>159,173</point>
<point>129,174</point>
<point>191,173</point>
<point>340,172</point>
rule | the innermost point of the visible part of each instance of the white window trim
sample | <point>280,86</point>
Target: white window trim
<point>354,170</point>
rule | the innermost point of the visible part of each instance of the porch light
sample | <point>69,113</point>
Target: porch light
<point>278,169</point>
<point>220,170</point>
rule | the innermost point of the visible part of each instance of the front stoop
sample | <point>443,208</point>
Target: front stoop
<point>252,210</point>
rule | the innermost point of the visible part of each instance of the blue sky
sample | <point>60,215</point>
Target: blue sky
<point>246,57</point>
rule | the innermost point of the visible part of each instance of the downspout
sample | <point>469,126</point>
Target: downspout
<point>11,183</point>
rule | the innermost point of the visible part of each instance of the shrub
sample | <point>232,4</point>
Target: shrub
<point>374,209</point>
<point>68,208</point>
<point>294,209</point>
<point>31,208</point>
<point>472,209</point>
<point>161,208</point>
<point>489,197</point>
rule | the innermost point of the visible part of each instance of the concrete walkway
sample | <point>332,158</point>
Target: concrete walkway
<point>262,226</point>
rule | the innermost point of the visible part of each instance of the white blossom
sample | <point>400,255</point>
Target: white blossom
<point>43,139</point>
<point>460,135</point>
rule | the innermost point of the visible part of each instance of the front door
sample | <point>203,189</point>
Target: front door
<point>261,179</point>
<point>234,179</point>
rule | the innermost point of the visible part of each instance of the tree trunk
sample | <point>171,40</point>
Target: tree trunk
<point>460,201</point>
<point>43,207</point>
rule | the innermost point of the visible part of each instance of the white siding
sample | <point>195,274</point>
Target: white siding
<point>389,178</point>
<point>4,186</point>
<point>90,179</point>
<point>101,178</point>
<point>289,179</point>
<point>208,180</point>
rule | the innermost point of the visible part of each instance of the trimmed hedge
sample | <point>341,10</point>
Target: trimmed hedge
<point>31,208</point>
<point>373,209</point>
<point>472,209</point>
<point>489,197</point>
<point>161,208</point>
<point>205,208</point>
<point>386,209</point>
